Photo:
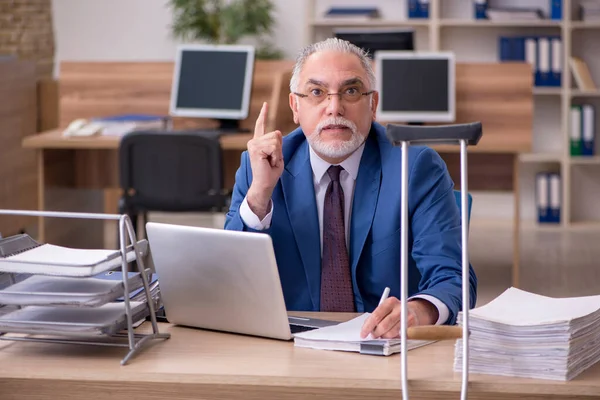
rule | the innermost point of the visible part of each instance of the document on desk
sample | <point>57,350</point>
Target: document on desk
<point>346,337</point>
<point>528,335</point>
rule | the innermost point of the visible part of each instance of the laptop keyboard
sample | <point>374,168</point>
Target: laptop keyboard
<point>300,328</point>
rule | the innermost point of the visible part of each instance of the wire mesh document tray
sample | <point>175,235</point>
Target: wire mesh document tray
<point>108,319</point>
<point>70,295</point>
<point>40,290</point>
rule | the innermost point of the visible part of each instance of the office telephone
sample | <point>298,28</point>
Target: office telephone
<point>83,127</point>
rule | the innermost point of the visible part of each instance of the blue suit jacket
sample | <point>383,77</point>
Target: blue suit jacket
<point>434,230</point>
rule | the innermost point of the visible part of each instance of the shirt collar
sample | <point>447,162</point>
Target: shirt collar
<point>350,164</point>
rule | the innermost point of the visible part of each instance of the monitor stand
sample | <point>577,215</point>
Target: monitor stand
<point>231,125</point>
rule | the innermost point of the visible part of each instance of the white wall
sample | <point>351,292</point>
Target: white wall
<point>139,29</point>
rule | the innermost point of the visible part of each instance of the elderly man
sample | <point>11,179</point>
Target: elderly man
<point>328,193</point>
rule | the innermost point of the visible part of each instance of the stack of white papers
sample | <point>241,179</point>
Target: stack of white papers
<point>346,337</point>
<point>527,335</point>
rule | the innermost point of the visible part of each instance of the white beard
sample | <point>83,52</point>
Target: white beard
<point>335,149</point>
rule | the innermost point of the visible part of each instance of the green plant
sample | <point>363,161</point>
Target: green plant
<point>225,22</point>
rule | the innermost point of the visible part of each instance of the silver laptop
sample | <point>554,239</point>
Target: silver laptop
<point>222,280</point>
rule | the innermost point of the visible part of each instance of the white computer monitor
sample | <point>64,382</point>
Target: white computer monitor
<point>213,81</point>
<point>415,87</point>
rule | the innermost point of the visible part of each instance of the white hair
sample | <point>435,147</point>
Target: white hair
<point>332,44</point>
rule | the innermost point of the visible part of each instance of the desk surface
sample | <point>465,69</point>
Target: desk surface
<point>235,141</point>
<point>211,365</point>
<point>55,140</point>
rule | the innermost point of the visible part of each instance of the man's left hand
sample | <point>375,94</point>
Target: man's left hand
<point>384,322</point>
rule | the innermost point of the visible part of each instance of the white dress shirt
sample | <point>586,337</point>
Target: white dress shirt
<point>321,181</point>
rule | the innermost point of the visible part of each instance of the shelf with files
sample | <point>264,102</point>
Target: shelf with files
<point>585,160</point>
<point>367,23</point>
<point>71,295</point>
<point>584,25</point>
<point>483,23</point>
<point>584,93</point>
<point>547,91</point>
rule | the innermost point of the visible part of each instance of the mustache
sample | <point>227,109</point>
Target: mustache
<point>336,121</point>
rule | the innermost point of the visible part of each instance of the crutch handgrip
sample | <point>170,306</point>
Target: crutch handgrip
<point>434,332</point>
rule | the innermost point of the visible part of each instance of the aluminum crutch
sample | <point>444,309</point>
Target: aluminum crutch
<point>405,135</point>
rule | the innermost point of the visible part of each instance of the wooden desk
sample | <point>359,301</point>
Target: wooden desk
<point>55,140</point>
<point>196,364</point>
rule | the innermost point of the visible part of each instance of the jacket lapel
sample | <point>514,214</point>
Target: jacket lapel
<point>299,193</point>
<point>366,194</point>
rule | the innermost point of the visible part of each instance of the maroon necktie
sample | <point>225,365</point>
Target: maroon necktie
<point>336,283</point>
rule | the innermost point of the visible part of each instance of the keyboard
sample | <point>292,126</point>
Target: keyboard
<point>300,328</point>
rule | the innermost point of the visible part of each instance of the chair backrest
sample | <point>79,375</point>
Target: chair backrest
<point>469,202</point>
<point>171,171</point>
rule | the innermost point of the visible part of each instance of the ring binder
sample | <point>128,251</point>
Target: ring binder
<point>72,316</point>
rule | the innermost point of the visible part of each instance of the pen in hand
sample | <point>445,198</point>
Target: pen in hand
<point>386,293</point>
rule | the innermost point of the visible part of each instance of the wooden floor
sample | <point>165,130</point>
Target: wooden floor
<point>553,263</point>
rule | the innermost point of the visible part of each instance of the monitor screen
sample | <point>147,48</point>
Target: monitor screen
<point>212,81</point>
<point>374,41</point>
<point>415,87</point>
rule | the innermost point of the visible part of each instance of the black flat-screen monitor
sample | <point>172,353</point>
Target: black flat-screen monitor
<point>213,81</point>
<point>415,87</point>
<point>375,40</point>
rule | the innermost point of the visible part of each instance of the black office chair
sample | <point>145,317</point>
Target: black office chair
<point>171,172</point>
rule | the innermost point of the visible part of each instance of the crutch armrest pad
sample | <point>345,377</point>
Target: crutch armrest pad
<point>436,134</point>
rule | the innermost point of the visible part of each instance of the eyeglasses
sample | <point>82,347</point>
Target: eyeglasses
<point>317,96</point>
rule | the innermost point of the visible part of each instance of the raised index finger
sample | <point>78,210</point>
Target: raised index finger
<point>261,121</point>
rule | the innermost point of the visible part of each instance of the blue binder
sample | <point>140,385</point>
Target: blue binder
<point>588,128</point>
<point>424,8</point>
<point>555,198</point>
<point>542,197</point>
<point>480,8</point>
<point>543,76</point>
<point>504,53</point>
<point>556,9</point>
<point>556,58</point>
<point>414,10</point>
<point>511,48</point>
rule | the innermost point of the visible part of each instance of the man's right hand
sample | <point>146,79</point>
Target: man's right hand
<point>266,161</point>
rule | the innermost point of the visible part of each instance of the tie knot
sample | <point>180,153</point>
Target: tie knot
<point>334,172</point>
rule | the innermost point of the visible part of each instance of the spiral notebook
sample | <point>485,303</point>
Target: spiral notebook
<point>22,254</point>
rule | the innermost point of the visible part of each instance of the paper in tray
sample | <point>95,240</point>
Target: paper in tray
<point>43,290</point>
<point>105,320</point>
<point>63,261</point>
